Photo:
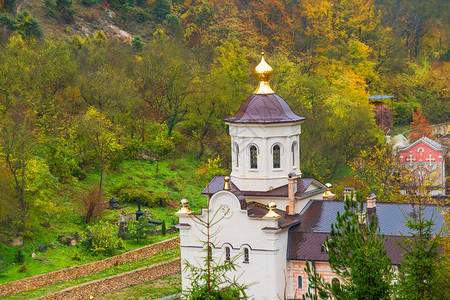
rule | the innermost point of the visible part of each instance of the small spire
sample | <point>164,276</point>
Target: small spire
<point>226,185</point>
<point>272,213</point>
<point>263,72</point>
<point>184,209</point>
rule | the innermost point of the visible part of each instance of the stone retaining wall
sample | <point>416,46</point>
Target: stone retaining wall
<point>41,280</point>
<point>117,282</point>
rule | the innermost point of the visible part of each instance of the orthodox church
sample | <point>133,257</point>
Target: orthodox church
<point>267,214</point>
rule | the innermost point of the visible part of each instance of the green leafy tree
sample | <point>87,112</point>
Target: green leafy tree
<point>380,171</point>
<point>100,137</point>
<point>161,8</point>
<point>357,255</point>
<point>18,143</point>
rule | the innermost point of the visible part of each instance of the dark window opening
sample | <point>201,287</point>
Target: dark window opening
<point>276,156</point>
<point>253,157</point>
<point>227,254</point>
<point>246,256</point>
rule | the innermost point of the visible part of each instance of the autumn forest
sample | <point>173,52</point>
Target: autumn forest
<point>79,102</point>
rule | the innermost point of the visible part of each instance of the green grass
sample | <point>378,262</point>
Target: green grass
<point>177,177</point>
<point>159,258</point>
<point>399,129</point>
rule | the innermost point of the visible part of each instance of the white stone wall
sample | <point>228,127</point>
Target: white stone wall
<point>264,136</point>
<point>267,248</point>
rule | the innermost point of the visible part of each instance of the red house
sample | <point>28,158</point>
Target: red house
<point>425,159</point>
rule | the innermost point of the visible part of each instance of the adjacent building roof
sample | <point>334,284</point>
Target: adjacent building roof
<point>306,239</point>
<point>263,109</point>
<point>433,144</point>
<point>217,183</point>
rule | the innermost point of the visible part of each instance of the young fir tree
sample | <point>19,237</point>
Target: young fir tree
<point>357,255</point>
<point>420,274</point>
<point>212,280</point>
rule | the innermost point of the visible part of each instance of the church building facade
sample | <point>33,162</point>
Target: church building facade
<point>268,215</point>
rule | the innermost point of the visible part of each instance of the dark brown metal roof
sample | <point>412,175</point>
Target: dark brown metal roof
<point>308,246</point>
<point>306,239</point>
<point>268,108</point>
<point>254,209</point>
<point>217,182</point>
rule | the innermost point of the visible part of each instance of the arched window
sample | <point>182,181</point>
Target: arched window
<point>246,256</point>
<point>300,282</point>
<point>335,281</point>
<point>294,153</point>
<point>236,153</point>
<point>276,156</point>
<point>253,157</point>
<point>227,253</point>
<point>209,250</point>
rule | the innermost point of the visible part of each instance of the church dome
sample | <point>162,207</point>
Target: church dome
<point>264,108</point>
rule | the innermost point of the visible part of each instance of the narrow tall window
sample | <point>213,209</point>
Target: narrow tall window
<point>210,252</point>
<point>276,156</point>
<point>300,282</point>
<point>227,254</point>
<point>236,152</point>
<point>294,154</point>
<point>335,281</point>
<point>253,157</point>
<point>246,256</point>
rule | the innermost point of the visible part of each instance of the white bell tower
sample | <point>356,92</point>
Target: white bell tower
<point>265,138</point>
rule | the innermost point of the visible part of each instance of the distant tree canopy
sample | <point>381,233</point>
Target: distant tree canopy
<point>166,93</point>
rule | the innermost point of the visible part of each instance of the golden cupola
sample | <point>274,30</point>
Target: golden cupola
<point>263,72</point>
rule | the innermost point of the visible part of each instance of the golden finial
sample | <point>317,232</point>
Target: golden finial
<point>263,72</point>
<point>91,297</point>
<point>328,194</point>
<point>272,213</point>
<point>226,185</point>
<point>184,209</point>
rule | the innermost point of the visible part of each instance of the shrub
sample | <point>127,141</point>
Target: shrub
<point>20,257</point>
<point>133,147</point>
<point>148,198</point>
<point>89,2</point>
<point>402,113</point>
<point>26,25</point>
<point>138,14</point>
<point>207,170</point>
<point>5,264</point>
<point>7,22</point>
<point>51,6</point>
<point>137,43</point>
<point>23,269</point>
<point>163,228</point>
<point>140,230</point>
<point>76,256</point>
<point>174,25</point>
<point>161,9</point>
<point>120,245</point>
<point>93,207</point>
<point>100,239</point>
